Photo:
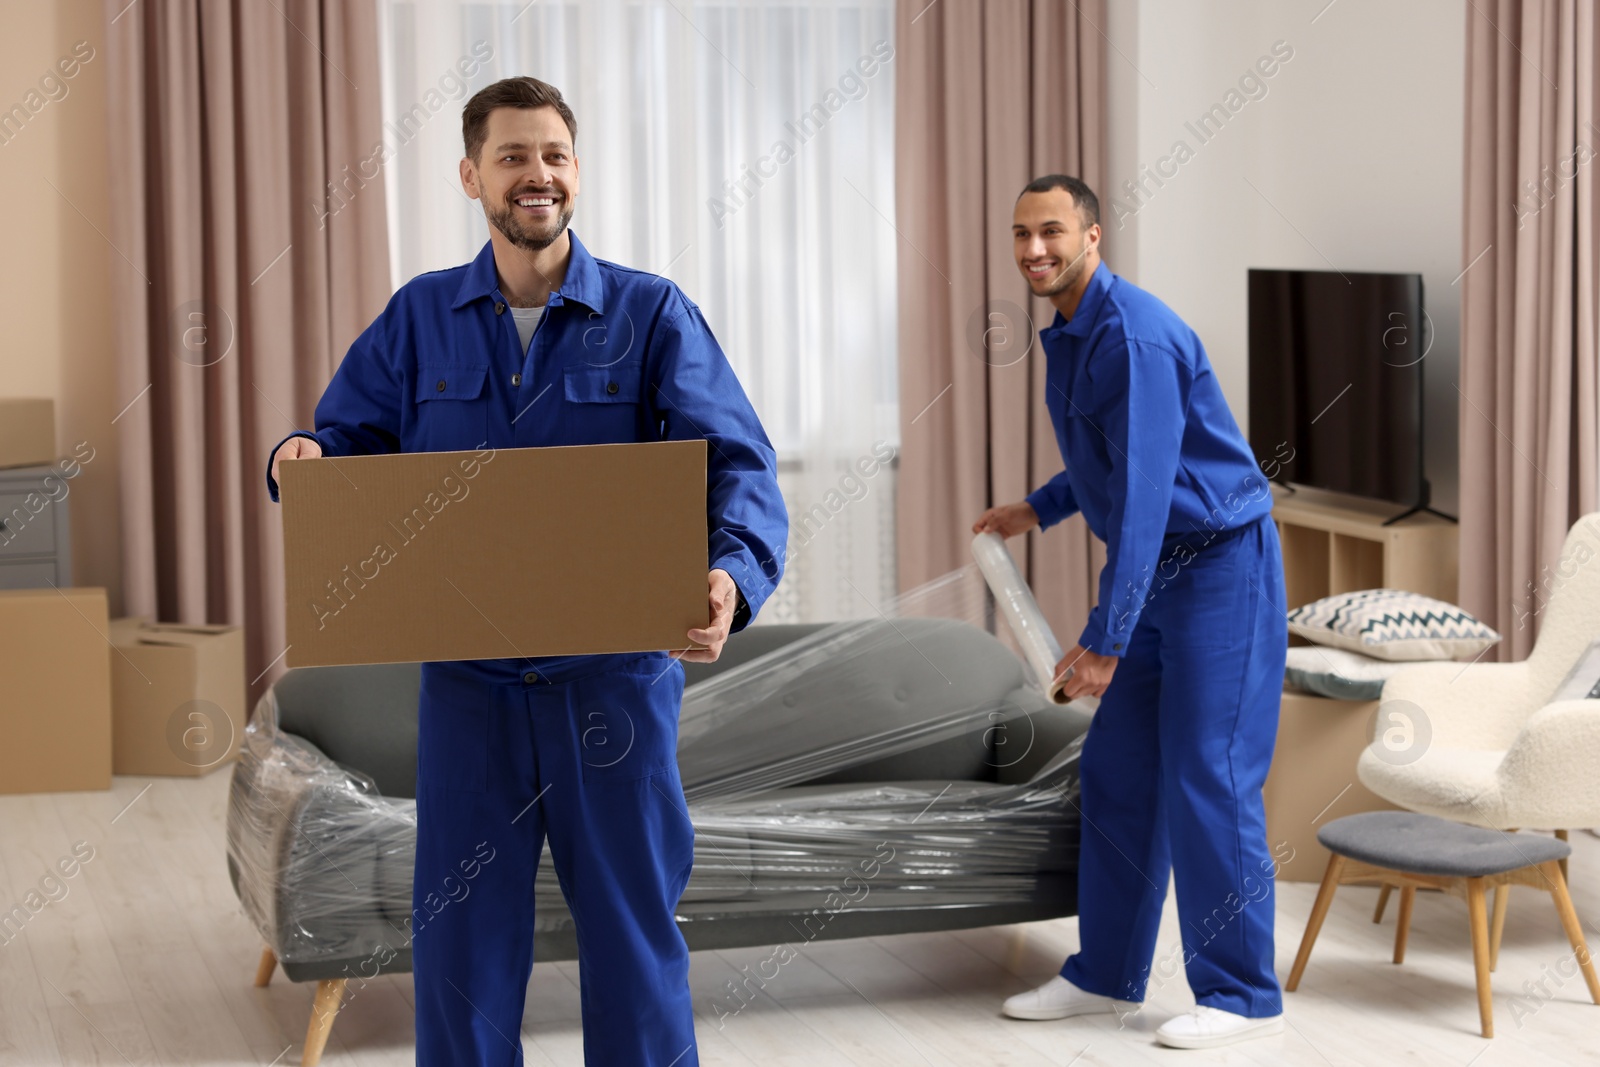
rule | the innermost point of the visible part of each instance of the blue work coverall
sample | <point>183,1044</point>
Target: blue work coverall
<point>579,750</point>
<point>1191,598</point>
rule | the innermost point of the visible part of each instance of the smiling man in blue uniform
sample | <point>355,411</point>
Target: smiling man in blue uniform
<point>1185,644</point>
<point>536,343</point>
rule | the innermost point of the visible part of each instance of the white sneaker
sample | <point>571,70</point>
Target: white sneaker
<point>1212,1027</point>
<point>1056,999</point>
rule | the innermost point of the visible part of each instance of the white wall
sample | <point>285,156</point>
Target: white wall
<point>1354,154</point>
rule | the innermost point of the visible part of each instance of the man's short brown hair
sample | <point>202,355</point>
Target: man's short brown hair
<point>510,92</point>
<point>1083,197</point>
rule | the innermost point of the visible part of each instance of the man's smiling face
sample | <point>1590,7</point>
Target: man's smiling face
<point>526,175</point>
<point>1053,247</point>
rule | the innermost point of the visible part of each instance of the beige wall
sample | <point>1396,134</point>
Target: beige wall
<point>1354,152</point>
<point>55,270</point>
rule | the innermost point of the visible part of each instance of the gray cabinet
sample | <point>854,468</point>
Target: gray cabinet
<point>35,531</point>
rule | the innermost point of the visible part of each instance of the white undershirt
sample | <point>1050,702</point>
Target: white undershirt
<point>527,320</point>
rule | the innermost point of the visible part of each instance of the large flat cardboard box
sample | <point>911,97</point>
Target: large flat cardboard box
<point>507,553</point>
<point>1313,778</point>
<point>55,691</point>
<point>27,432</point>
<point>177,697</point>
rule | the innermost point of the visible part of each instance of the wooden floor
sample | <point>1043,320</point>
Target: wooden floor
<point>147,959</point>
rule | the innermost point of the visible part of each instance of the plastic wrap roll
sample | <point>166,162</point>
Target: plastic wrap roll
<point>1015,601</point>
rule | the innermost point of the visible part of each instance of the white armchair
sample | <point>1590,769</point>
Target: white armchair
<point>1491,749</point>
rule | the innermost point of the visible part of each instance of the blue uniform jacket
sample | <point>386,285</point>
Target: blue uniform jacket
<point>1154,458</point>
<point>619,356</point>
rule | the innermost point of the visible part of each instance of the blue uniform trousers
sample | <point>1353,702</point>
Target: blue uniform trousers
<point>584,755</point>
<point>1172,772</point>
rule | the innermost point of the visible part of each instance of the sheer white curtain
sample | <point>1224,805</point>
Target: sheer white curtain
<point>745,149</point>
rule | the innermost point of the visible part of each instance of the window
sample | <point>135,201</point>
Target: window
<point>744,149</point>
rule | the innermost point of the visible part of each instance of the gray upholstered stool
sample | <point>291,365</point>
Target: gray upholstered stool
<point>1410,851</point>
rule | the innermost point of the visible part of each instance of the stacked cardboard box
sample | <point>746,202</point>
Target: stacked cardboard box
<point>55,691</point>
<point>1313,778</point>
<point>27,432</point>
<point>81,697</point>
<point>178,697</point>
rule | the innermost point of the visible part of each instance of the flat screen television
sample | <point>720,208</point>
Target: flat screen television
<point>1336,382</point>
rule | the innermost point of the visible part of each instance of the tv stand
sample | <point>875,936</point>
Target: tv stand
<point>1339,544</point>
<point>1420,509</point>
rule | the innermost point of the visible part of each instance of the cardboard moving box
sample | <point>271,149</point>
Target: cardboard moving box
<point>507,553</point>
<point>27,432</point>
<point>178,697</point>
<point>55,691</point>
<point>1313,778</point>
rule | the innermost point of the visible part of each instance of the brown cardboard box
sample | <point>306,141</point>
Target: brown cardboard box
<point>494,554</point>
<point>27,432</point>
<point>178,697</point>
<point>1313,778</point>
<point>55,691</point>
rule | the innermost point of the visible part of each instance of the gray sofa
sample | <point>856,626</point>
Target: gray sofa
<point>845,780</point>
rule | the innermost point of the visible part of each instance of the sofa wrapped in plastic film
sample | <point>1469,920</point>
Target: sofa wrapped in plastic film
<point>898,773</point>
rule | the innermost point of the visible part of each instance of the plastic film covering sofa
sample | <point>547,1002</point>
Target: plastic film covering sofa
<point>897,774</point>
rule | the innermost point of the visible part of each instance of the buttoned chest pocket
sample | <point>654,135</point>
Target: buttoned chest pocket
<point>451,408</point>
<point>603,402</point>
<point>1080,435</point>
<point>1077,425</point>
<point>1062,400</point>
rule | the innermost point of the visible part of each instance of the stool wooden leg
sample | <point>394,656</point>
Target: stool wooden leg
<point>1569,922</point>
<point>1561,835</point>
<point>1319,911</point>
<point>264,969</point>
<point>1497,924</point>
<point>1383,902</point>
<point>1402,927</point>
<point>1478,912</point>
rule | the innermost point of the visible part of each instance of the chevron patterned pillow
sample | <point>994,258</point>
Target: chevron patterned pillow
<point>1392,624</point>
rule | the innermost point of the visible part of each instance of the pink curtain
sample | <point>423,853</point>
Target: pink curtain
<point>229,122</point>
<point>988,95</point>
<point>1528,313</point>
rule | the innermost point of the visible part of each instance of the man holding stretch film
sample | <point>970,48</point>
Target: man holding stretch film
<point>1185,644</point>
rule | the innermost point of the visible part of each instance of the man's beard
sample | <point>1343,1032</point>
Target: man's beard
<point>528,238</point>
<point>1070,273</point>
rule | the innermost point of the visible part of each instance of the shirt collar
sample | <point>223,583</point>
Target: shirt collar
<point>582,283</point>
<point>1088,309</point>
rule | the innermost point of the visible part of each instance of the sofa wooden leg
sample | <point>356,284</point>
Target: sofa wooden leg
<point>1569,922</point>
<point>330,992</point>
<point>1319,911</point>
<point>1402,926</point>
<point>1497,923</point>
<point>264,969</point>
<point>1383,902</point>
<point>1477,910</point>
<point>1561,835</point>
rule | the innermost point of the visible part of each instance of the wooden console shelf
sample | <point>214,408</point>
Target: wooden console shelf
<point>1338,544</point>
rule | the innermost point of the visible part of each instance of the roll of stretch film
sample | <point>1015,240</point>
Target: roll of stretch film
<point>1021,612</point>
